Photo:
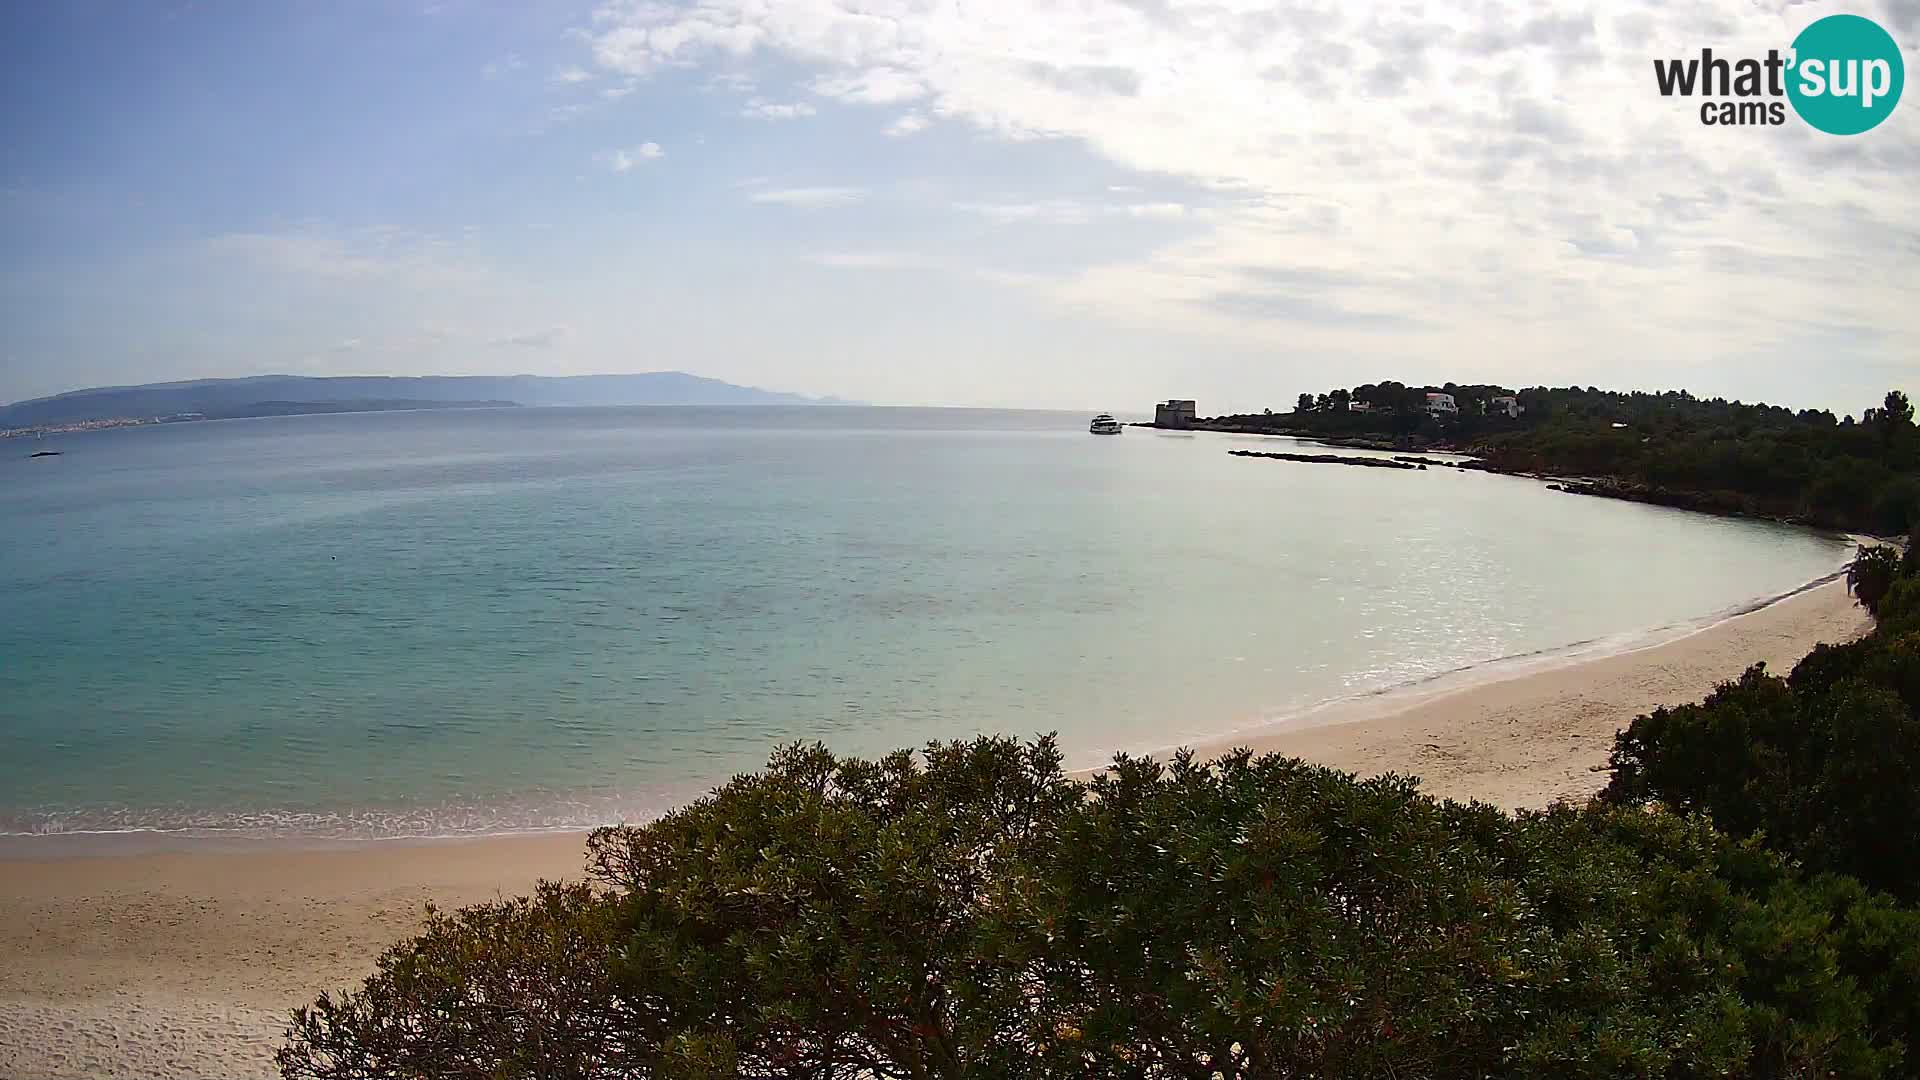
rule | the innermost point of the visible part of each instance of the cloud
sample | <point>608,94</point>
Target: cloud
<point>505,65</point>
<point>571,75</point>
<point>1054,212</point>
<point>1162,210</point>
<point>1070,211</point>
<point>774,110</point>
<point>372,253</point>
<point>348,345</point>
<point>535,339</point>
<point>907,124</point>
<point>1506,171</point>
<point>1280,307</point>
<point>1089,78</point>
<point>626,160</point>
<point>874,86</point>
<point>896,261</point>
<point>875,260</point>
<point>810,198</point>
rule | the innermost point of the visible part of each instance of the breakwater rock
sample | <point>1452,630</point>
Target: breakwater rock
<point>1330,459</point>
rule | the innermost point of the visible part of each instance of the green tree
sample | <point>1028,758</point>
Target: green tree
<point>1898,411</point>
<point>1825,765</point>
<point>1871,574</point>
<point>971,912</point>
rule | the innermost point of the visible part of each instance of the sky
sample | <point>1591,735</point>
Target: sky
<point>1087,204</point>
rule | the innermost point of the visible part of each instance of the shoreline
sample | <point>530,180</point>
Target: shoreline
<point>184,963</point>
<point>1358,706</point>
<point>1530,738</point>
<point>1402,697</point>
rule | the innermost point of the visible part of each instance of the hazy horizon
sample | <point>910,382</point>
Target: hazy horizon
<point>984,204</point>
<point>1224,407</point>
<point>377,375</point>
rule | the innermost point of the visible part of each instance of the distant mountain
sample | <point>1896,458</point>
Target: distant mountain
<point>305,408</point>
<point>231,397</point>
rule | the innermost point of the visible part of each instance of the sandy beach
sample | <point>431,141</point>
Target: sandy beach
<point>184,963</point>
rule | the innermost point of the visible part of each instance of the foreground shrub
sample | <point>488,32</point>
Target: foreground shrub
<point>971,912</point>
<point>1825,765</point>
<point>1872,573</point>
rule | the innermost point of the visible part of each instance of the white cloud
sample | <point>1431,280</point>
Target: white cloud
<point>875,260</point>
<point>1055,212</point>
<point>1477,180</point>
<point>544,338</point>
<point>736,82</point>
<point>908,124</point>
<point>1164,210</point>
<point>1070,211</point>
<point>810,198</point>
<point>625,160</point>
<point>572,75</point>
<point>506,64</point>
<point>374,253</point>
<point>776,110</point>
<point>874,86</point>
<point>908,260</point>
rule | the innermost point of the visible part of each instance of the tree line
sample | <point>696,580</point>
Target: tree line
<point>1764,460</point>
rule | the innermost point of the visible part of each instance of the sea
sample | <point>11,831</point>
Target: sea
<point>446,623</point>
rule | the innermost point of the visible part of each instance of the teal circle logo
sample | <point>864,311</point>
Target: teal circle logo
<point>1846,74</point>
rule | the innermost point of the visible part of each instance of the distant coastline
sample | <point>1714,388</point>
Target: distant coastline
<point>287,395</point>
<point>257,409</point>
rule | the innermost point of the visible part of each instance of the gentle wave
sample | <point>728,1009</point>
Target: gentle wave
<point>528,813</point>
<point>1347,708</point>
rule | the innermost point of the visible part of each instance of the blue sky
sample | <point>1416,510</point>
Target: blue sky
<point>1086,205</point>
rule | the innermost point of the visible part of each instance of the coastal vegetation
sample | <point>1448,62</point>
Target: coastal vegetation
<point>1824,764</point>
<point>1673,448</point>
<point>1738,903</point>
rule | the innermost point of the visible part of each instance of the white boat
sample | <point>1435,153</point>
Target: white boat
<point>1104,424</point>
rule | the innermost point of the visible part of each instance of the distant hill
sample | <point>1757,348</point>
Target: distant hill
<point>233,397</point>
<point>304,408</point>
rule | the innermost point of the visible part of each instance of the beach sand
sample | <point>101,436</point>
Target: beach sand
<point>184,963</point>
<point>1536,738</point>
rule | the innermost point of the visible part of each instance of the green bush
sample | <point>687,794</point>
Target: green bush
<point>1871,574</point>
<point>972,912</point>
<point>1825,765</point>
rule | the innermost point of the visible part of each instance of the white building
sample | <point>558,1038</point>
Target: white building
<point>1509,406</point>
<point>1438,404</point>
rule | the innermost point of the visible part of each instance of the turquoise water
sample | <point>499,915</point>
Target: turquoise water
<point>430,623</point>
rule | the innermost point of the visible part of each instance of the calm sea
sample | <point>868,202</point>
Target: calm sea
<point>453,622</point>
